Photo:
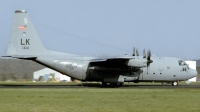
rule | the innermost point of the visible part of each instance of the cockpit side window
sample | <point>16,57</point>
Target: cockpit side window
<point>181,63</point>
<point>187,66</point>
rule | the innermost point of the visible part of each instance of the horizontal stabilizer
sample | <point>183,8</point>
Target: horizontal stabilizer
<point>22,57</point>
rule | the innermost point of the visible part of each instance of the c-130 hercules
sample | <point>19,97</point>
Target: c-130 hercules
<point>25,44</point>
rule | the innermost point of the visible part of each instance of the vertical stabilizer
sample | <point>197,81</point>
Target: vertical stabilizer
<point>24,40</point>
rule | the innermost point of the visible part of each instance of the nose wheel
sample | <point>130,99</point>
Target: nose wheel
<point>175,83</point>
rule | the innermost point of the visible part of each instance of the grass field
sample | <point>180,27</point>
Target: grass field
<point>99,100</point>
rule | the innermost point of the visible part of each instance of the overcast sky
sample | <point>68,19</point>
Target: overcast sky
<point>110,27</point>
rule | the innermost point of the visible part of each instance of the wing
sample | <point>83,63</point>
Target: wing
<point>119,61</point>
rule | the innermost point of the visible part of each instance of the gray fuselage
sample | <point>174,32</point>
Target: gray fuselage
<point>163,69</point>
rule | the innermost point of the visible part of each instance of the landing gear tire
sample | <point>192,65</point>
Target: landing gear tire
<point>106,84</point>
<point>175,83</point>
<point>119,84</point>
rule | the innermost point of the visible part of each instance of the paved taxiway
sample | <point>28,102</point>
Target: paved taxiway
<point>99,86</point>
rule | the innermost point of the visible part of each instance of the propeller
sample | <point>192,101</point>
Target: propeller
<point>144,54</point>
<point>147,56</point>
<point>148,59</point>
<point>137,52</point>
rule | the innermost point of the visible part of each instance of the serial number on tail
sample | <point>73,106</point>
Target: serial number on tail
<point>25,47</point>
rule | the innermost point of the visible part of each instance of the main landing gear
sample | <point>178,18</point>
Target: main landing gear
<point>107,84</point>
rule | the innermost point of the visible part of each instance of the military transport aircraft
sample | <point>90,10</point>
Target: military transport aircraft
<point>25,44</point>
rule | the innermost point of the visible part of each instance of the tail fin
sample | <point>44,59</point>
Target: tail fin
<point>24,40</point>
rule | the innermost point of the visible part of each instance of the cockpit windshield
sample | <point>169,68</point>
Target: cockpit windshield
<point>182,63</point>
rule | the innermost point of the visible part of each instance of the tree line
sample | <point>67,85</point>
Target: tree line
<point>15,69</point>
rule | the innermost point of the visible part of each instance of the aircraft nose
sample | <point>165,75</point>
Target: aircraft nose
<point>193,73</point>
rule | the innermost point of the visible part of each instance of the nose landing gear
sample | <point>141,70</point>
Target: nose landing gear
<point>175,83</point>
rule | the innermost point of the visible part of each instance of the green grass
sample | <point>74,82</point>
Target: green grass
<point>99,100</point>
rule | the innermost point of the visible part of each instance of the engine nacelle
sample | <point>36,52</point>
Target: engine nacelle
<point>137,62</point>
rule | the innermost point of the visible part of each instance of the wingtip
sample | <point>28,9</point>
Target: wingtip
<point>20,11</point>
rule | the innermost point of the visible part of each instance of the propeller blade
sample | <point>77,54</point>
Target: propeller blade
<point>137,53</point>
<point>148,65</point>
<point>144,54</point>
<point>148,60</point>
<point>133,51</point>
<point>149,55</point>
